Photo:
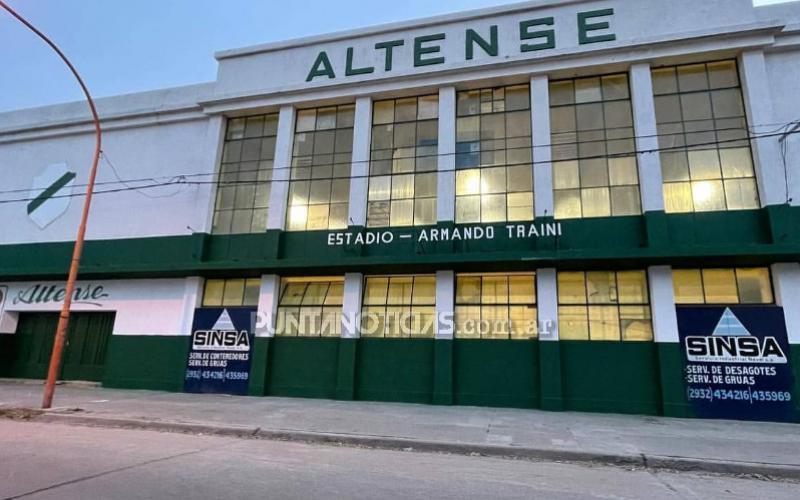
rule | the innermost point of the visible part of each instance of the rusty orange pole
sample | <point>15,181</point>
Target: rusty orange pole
<point>63,320</point>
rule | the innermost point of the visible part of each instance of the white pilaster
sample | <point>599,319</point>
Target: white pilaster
<point>359,180</point>
<point>767,158</point>
<point>351,305</point>
<point>786,279</point>
<point>645,130</point>
<point>192,299</point>
<point>547,303</point>
<point>542,155</point>
<point>445,303</point>
<point>279,193</point>
<point>446,180</point>
<point>662,304</point>
<point>206,194</point>
<point>268,296</point>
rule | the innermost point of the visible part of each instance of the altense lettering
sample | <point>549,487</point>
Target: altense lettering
<point>426,50</point>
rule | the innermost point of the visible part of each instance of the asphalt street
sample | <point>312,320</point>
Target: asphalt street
<point>39,460</point>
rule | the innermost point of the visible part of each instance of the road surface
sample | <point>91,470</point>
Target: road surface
<point>45,460</point>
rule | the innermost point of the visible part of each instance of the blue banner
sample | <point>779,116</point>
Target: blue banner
<point>221,350</point>
<point>736,362</point>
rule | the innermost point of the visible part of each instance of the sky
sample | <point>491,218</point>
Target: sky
<point>124,46</point>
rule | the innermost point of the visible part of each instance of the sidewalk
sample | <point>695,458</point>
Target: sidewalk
<point>637,441</point>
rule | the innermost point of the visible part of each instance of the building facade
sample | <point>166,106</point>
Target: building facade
<point>570,205</point>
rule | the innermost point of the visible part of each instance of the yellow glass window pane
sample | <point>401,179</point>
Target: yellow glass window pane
<point>428,107</point>
<point>632,287</point>
<point>678,197</point>
<point>741,194</point>
<point>708,196</point>
<point>338,216</point>
<point>402,186</point>
<point>604,323</point>
<point>425,211</point>
<point>601,287</point>
<point>468,209</point>
<point>494,290</point>
<point>373,321</point>
<point>288,321</point>
<point>400,288</point>
<point>573,323</point>
<point>704,164</point>
<point>298,215</point>
<point>622,171</point>
<point>306,119</point>
<point>315,293</point>
<point>493,207</point>
<point>466,320</point>
<point>522,321</point>
<point>722,74</point>
<point>234,292</point>
<point>719,286</point>
<point>493,180</point>
<point>380,188</point>
<point>755,286</point>
<point>331,322</point>
<point>318,216</point>
<point>402,213</point>
<point>571,287</point>
<point>495,321</point>
<point>375,291</point>
<point>736,162</point>
<point>567,204</point>
<point>688,286</point>
<point>692,77</point>
<point>423,319</point>
<point>468,182</point>
<point>636,323</point>
<point>625,200</point>
<point>521,290</point>
<point>335,294</point>
<point>252,290</point>
<point>293,293</point>
<point>596,202</point>
<point>520,206</point>
<point>468,289</point>
<point>213,293</point>
<point>424,290</point>
<point>310,322</point>
<point>565,175</point>
<point>398,322</point>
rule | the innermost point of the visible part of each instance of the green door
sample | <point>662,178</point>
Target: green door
<point>84,353</point>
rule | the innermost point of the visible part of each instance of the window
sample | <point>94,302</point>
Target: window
<point>232,292</point>
<point>402,169</point>
<point>494,179</point>
<point>245,175</point>
<point>399,306</point>
<point>310,307</point>
<point>595,172</point>
<point>496,306</point>
<point>706,161</point>
<point>604,305</point>
<point>319,188</point>
<point>723,286</point>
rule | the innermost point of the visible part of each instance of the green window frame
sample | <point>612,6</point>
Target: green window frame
<point>496,306</point>
<point>494,174</point>
<point>401,306</point>
<point>244,181</point>
<point>310,307</point>
<point>595,171</point>
<point>706,160</point>
<point>729,286</point>
<point>322,153</point>
<point>604,306</point>
<point>403,162</point>
<point>231,292</point>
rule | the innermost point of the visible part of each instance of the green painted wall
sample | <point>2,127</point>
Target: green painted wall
<point>618,377</point>
<point>673,387</point>
<point>753,237</point>
<point>156,362</point>
<point>303,366</point>
<point>795,355</point>
<point>496,372</point>
<point>395,370</point>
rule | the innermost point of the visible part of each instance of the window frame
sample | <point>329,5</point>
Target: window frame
<point>317,312</point>
<point>225,282</point>
<point>508,304</point>
<point>735,270</point>
<point>368,307</point>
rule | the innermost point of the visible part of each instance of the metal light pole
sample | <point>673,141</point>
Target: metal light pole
<point>63,320</point>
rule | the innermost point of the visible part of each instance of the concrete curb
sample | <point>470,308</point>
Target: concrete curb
<point>687,464</point>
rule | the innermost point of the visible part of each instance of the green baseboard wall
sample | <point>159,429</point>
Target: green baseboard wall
<point>395,370</point>
<point>156,362</point>
<point>302,367</point>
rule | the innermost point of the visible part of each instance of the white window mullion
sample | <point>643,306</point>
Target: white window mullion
<point>279,193</point>
<point>446,179</point>
<point>645,130</point>
<point>542,152</point>
<point>359,172</point>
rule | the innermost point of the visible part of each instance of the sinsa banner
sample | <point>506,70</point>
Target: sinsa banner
<point>736,362</point>
<point>221,349</point>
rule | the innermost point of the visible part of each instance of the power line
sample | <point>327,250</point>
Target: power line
<point>182,179</point>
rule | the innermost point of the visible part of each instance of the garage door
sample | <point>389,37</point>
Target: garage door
<point>84,353</point>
